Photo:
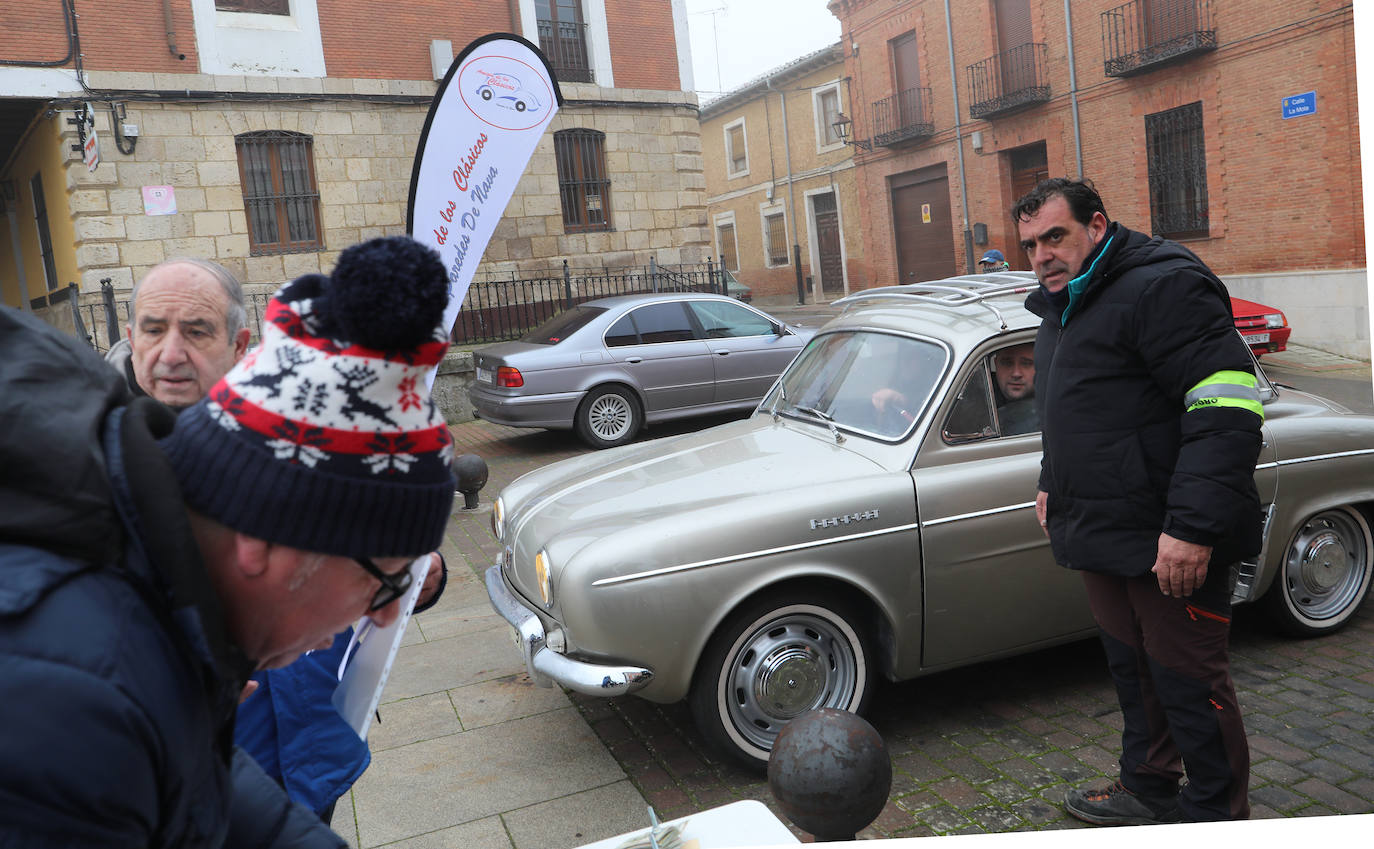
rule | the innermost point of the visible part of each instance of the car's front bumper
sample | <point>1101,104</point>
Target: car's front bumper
<point>547,666</point>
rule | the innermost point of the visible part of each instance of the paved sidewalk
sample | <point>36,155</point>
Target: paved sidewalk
<point>469,753</point>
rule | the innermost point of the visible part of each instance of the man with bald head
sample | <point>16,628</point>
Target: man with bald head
<point>188,329</point>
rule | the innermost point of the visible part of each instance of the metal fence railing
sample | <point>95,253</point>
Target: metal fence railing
<point>903,116</point>
<point>500,308</point>
<point>1143,34</point>
<point>1008,81</point>
<point>497,307</point>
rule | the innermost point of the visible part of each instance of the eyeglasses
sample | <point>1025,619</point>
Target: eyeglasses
<point>393,586</point>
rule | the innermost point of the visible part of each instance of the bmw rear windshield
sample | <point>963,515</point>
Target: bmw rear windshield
<point>562,326</point>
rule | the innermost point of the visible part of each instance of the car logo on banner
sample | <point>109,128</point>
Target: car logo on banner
<point>504,92</point>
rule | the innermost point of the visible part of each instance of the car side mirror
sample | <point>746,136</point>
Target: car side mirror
<point>779,329</point>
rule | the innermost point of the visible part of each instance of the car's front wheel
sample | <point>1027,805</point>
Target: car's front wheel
<point>773,660</point>
<point>1325,574</point>
<point>608,416</point>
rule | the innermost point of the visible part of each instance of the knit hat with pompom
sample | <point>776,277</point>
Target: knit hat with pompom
<point>324,437</point>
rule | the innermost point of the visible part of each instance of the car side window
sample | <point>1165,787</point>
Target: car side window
<point>998,399</point>
<point>970,419</point>
<point>658,323</point>
<point>622,333</point>
<point>721,320</point>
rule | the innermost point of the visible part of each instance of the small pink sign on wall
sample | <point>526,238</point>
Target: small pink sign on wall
<point>159,200</point>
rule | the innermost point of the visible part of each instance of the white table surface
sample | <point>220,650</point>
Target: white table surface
<point>746,823</point>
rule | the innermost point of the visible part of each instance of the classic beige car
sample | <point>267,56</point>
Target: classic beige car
<point>781,563</point>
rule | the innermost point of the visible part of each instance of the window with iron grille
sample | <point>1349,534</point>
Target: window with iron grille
<point>775,238</point>
<point>582,181</point>
<point>277,172</point>
<point>261,7</point>
<point>1176,151</point>
<point>729,255</point>
<point>736,150</point>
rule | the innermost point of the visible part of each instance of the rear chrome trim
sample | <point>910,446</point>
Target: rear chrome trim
<point>1316,457</point>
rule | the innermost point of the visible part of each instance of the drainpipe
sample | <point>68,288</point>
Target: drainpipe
<point>791,201</point>
<point>1073,89</point>
<point>959,142</point>
<point>171,30</point>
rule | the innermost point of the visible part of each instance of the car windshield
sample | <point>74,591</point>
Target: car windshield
<point>869,382</point>
<point>562,326</point>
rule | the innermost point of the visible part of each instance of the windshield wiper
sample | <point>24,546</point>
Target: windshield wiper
<point>825,417</point>
<point>782,395</point>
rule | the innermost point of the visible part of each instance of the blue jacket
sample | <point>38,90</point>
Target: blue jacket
<point>118,682</point>
<point>292,729</point>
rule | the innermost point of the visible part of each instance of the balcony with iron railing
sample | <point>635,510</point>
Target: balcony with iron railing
<point>1142,35</point>
<point>1008,81</point>
<point>903,118</point>
<point>565,45</point>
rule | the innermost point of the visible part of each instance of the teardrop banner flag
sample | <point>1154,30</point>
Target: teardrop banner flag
<point>488,115</point>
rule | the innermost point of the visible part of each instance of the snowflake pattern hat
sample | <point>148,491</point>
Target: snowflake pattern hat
<point>324,437</point>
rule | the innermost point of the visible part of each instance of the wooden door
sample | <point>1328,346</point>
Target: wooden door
<point>922,225</point>
<point>828,245</point>
<point>1013,40</point>
<point>1029,166</point>
<point>906,77</point>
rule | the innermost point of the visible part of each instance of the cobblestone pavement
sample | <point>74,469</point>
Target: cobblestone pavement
<point>993,747</point>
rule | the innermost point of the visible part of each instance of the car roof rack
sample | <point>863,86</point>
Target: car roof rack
<point>951,292</point>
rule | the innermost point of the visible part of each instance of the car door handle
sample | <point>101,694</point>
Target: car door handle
<point>723,352</point>
<point>634,359</point>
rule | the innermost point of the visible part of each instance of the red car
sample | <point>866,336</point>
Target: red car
<point>1265,329</point>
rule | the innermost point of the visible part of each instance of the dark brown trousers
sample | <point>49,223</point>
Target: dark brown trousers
<point>1169,659</point>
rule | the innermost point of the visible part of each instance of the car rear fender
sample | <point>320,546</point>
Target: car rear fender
<point>1288,516</point>
<point>1323,462</point>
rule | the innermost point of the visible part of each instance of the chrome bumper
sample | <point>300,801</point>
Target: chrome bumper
<point>546,666</point>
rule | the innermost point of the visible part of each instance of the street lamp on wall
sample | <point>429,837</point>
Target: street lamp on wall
<point>841,127</point>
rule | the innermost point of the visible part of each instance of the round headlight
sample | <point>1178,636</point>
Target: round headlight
<point>542,568</point>
<point>498,520</point>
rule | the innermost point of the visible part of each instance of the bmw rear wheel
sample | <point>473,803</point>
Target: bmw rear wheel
<point>772,661</point>
<point>608,416</point>
<point>1325,573</point>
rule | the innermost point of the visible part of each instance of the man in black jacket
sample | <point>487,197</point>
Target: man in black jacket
<point>1151,430</point>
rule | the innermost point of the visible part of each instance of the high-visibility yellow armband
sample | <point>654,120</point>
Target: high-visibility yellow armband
<point>1225,389</point>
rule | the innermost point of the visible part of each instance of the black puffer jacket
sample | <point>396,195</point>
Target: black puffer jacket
<point>1116,353</point>
<point>120,682</point>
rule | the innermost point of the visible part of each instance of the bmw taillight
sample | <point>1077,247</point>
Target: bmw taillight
<point>509,377</point>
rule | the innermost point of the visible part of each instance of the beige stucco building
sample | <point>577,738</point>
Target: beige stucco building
<point>780,182</point>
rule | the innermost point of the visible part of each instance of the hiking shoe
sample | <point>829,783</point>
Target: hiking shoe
<point>1115,805</point>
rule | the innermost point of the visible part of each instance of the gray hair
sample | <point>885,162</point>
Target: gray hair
<point>235,317</point>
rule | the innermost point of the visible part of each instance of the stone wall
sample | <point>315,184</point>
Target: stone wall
<point>363,154</point>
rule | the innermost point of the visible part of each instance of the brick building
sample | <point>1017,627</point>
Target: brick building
<point>286,131</point>
<point>1229,125</point>
<point>780,182</point>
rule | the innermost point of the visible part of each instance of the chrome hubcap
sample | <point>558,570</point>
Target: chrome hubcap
<point>793,663</point>
<point>790,681</point>
<point>1327,565</point>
